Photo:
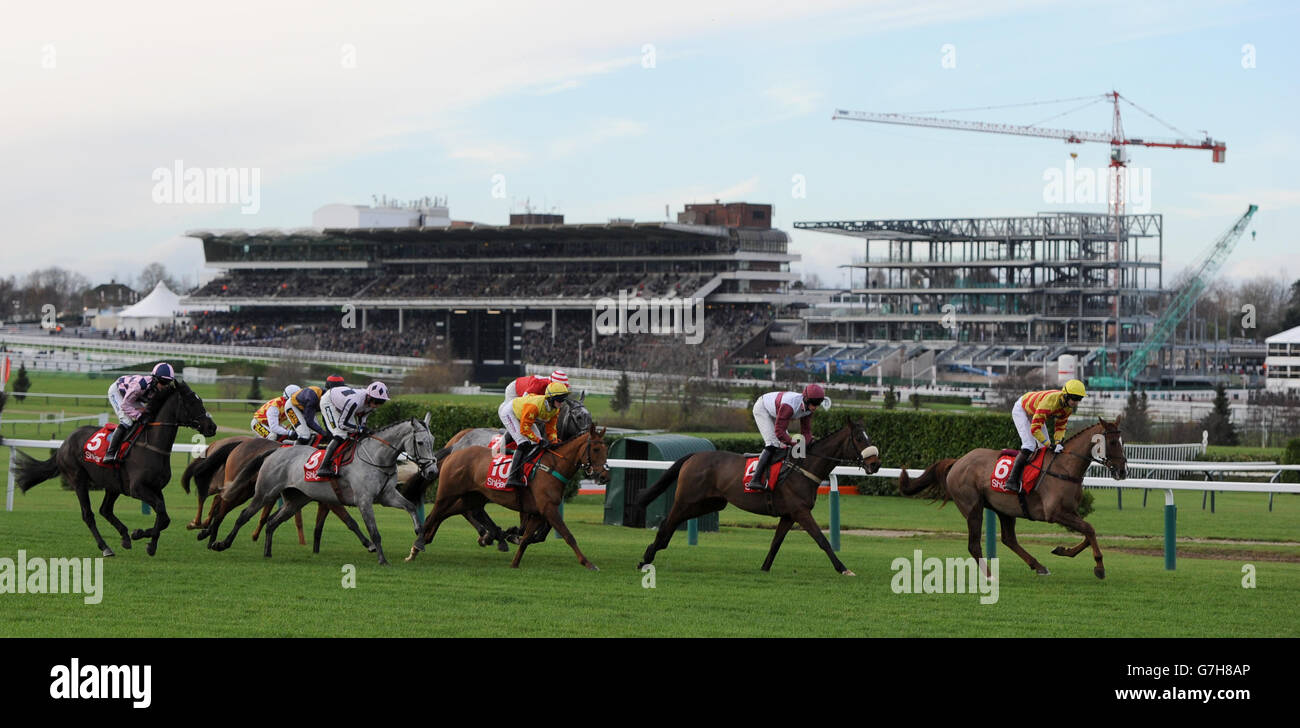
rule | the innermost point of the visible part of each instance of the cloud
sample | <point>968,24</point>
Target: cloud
<point>600,131</point>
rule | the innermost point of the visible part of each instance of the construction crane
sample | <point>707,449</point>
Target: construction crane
<point>1203,272</point>
<point>1115,138</point>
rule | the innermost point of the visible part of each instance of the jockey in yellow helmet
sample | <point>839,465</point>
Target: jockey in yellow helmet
<point>1030,415</point>
<point>521,417</point>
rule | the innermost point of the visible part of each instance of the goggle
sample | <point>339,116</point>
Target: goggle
<point>815,401</point>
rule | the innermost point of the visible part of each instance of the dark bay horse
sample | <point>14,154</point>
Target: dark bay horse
<point>708,481</point>
<point>1055,499</point>
<point>461,489</point>
<point>143,474</point>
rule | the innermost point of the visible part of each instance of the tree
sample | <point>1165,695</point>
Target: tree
<point>1291,316</point>
<point>255,391</point>
<point>1219,422</point>
<point>891,398</point>
<point>622,400</point>
<point>1137,421</point>
<point>152,274</point>
<point>21,382</point>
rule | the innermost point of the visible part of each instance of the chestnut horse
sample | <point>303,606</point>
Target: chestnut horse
<point>708,481</point>
<point>1055,499</point>
<point>461,489</point>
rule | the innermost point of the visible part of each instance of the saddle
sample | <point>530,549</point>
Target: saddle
<point>779,465</point>
<point>499,470</point>
<point>97,446</point>
<point>1028,476</point>
<point>342,456</point>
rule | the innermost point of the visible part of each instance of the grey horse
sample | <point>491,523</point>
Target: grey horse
<point>371,478</point>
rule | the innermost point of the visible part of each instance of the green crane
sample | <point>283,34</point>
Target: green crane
<point>1204,271</point>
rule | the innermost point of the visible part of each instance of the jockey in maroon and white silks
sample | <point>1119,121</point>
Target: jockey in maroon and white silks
<point>773,412</point>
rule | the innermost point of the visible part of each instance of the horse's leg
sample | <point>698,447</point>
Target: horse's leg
<point>782,527</point>
<point>368,516</point>
<point>82,486</point>
<point>442,510</point>
<point>322,512</point>
<point>261,523</point>
<point>809,524</point>
<point>342,514</point>
<point>244,517</point>
<point>106,510</point>
<point>530,526</point>
<point>215,526</point>
<point>974,530</point>
<point>1075,523</point>
<point>160,522</point>
<point>391,498</point>
<point>552,513</point>
<point>214,511</point>
<point>1072,551</point>
<point>294,500</point>
<point>1009,540</point>
<point>297,521</point>
<point>198,517</point>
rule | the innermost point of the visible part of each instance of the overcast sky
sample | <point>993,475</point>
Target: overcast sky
<point>601,110</point>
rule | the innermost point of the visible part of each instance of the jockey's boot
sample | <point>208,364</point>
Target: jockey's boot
<point>326,469</point>
<point>759,481</point>
<point>1013,480</point>
<point>522,451</point>
<point>115,444</point>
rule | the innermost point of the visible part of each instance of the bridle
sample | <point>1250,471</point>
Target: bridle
<point>584,464</point>
<point>422,463</point>
<point>1107,462</point>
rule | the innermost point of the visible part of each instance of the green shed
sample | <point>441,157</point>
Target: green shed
<point>627,484</point>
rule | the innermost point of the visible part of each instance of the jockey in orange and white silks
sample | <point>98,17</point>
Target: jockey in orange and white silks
<point>534,385</point>
<point>521,417</point>
<point>1030,415</point>
<point>271,420</point>
<point>129,396</point>
<point>773,412</point>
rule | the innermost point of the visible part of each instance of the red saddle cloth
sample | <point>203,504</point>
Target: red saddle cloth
<point>751,467</point>
<point>499,470</point>
<point>342,456</point>
<point>496,440</point>
<point>1028,476</point>
<point>97,447</point>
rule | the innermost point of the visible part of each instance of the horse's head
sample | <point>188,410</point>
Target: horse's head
<point>860,442</point>
<point>1113,455</point>
<point>575,418</point>
<point>418,445</point>
<point>186,408</point>
<point>595,454</point>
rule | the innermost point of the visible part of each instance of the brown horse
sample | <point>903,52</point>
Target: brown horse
<point>1055,499</point>
<point>461,489</point>
<point>708,481</point>
<point>228,493</point>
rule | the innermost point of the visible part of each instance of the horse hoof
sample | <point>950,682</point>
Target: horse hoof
<point>1100,572</point>
<point>109,552</point>
<point>1059,551</point>
<point>592,567</point>
<point>151,548</point>
<point>192,525</point>
<point>1043,571</point>
<point>384,562</point>
<point>137,534</point>
<point>216,547</point>
<point>371,548</point>
<point>202,535</point>
<point>848,572</point>
<point>502,546</point>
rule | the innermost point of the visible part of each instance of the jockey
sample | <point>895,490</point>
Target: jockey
<point>331,382</point>
<point>1030,415</point>
<point>534,385</point>
<point>347,410</point>
<point>301,409</point>
<point>521,415</point>
<point>773,412</point>
<point>130,396</point>
<point>266,421</point>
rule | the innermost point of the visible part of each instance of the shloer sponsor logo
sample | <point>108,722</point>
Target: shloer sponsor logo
<point>98,682</point>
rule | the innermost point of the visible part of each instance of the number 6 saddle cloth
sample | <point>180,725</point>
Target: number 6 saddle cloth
<point>1028,476</point>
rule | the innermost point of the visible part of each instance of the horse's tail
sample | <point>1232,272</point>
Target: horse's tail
<point>248,473</point>
<point>201,469</point>
<point>28,471</point>
<point>932,483</point>
<point>413,489</point>
<point>668,478</point>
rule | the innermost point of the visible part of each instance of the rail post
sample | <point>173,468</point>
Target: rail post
<point>990,534</point>
<point>9,492</point>
<point>1171,529</point>
<point>835,512</point>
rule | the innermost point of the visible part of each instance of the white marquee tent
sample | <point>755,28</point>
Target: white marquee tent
<point>160,307</point>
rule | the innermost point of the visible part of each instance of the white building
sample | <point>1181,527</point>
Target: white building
<point>160,307</point>
<point>429,213</point>
<point>1282,363</point>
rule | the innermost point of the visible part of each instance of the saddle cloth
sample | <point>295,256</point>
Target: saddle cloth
<point>97,447</point>
<point>1028,476</point>
<point>501,443</point>
<point>773,475</point>
<point>499,471</point>
<point>342,456</point>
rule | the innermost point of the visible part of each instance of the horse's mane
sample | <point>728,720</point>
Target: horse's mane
<point>1103,423</point>
<point>847,425</point>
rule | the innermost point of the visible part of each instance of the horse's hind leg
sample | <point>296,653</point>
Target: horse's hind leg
<point>1009,540</point>
<point>245,516</point>
<point>679,513</point>
<point>88,513</point>
<point>1072,551</point>
<point>213,512</point>
<point>261,523</point>
<point>809,524</point>
<point>442,510</point>
<point>552,513</point>
<point>975,529</point>
<point>293,502</point>
<point>106,510</point>
<point>342,514</point>
<point>160,523</point>
<point>530,526</point>
<point>782,527</point>
<point>1074,522</point>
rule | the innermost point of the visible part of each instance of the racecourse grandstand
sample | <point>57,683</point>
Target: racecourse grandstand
<point>495,296</point>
